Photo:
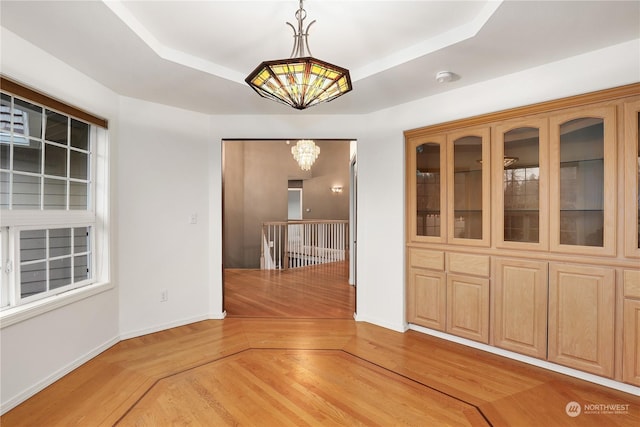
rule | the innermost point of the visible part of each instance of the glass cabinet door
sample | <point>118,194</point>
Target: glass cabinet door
<point>426,163</point>
<point>632,179</point>
<point>583,158</point>
<point>520,163</point>
<point>468,187</point>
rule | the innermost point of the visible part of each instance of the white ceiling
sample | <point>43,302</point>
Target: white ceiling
<point>196,54</point>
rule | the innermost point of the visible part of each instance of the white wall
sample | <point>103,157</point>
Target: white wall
<point>162,176</point>
<point>38,351</point>
<point>167,163</point>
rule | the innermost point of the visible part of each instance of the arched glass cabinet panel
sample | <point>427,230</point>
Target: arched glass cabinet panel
<point>520,184</point>
<point>428,191</point>
<point>468,187</point>
<point>426,159</point>
<point>632,179</point>
<point>584,181</point>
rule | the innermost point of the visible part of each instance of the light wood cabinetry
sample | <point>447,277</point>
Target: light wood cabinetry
<point>530,219</point>
<point>631,332</point>
<point>521,184</point>
<point>581,317</point>
<point>468,192</point>
<point>427,296</point>
<point>426,289</point>
<point>632,178</point>
<point>426,198</point>
<point>468,307</point>
<point>520,306</point>
<point>583,181</point>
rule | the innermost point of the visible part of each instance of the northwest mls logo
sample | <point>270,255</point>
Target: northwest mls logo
<point>573,409</point>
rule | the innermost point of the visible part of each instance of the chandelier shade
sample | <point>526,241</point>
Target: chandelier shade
<point>305,152</point>
<point>300,81</point>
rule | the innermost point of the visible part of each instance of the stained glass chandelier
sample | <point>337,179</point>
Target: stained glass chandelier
<point>305,152</point>
<point>300,81</point>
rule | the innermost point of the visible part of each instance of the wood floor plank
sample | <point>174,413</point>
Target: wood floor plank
<point>472,375</point>
<point>319,291</point>
<point>296,388</point>
<point>546,405</point>
<point>302,333</point>
<point>264,370</point>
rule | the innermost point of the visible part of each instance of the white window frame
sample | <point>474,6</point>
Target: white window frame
<point>16,298</point>
<point>13,308</point>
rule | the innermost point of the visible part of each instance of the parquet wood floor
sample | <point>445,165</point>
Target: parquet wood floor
<point>268,371</point>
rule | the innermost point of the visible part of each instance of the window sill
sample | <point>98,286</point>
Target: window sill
<point>14,315</point>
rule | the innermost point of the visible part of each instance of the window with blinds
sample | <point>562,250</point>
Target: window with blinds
<point>48,219</point>
<point>45,158</point>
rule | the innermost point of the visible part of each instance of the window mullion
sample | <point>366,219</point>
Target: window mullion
<point>11,110</point>
<point>16,276</point>
<point>73,255</point>
<point>68,175</point>
<point>4,268</point>
<point>42,159</point>
<point>47,261</point>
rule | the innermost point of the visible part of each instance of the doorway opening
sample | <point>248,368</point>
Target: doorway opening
<point>294,203</point>
<point>288,234</point>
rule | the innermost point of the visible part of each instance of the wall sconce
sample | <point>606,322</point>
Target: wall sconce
<point>336,189</point>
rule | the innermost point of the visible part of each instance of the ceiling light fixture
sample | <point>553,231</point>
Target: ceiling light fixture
<point>305,152</point>
<point>506,161</point>
<point>300,81</point>
<point>446,77</point>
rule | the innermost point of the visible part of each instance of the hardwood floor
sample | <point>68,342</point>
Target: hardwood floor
<point>269,371</point>
<point>319,291</point>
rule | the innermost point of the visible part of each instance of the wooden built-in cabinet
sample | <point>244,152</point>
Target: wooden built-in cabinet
<point>583,181</point>
<point>521,184</point>
<point>468,307</point>
<point>428,201</point>
<point>632,178</point>
<point>427,288</point>
<point>581,317</point>
<point>631,340</point>
<point>523,230</point>
<point>468,193</point>
<point>520,296</point>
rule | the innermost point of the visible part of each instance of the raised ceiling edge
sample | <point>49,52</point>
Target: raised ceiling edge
<point>528,110</point>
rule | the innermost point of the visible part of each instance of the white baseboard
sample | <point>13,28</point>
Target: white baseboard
<point>218,316</point>
<point>400,327</point>
<point>46,382</point>
<point>163,326</point>
<point>627,388</point>
<point>41,385</point>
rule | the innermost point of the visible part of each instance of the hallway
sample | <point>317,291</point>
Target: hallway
<point>315,292</point>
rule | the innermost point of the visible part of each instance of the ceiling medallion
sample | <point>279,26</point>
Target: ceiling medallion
<point>300,81</point>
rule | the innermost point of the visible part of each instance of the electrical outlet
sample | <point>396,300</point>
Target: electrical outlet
<point>164,296</point>
<point>193,218</point>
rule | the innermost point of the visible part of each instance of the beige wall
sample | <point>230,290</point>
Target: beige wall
<point>256,175</point>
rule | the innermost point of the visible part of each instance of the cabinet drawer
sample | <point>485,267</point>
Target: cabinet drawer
<point>477,265</point>
<point>632,284</point>
<point>423,258</point>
